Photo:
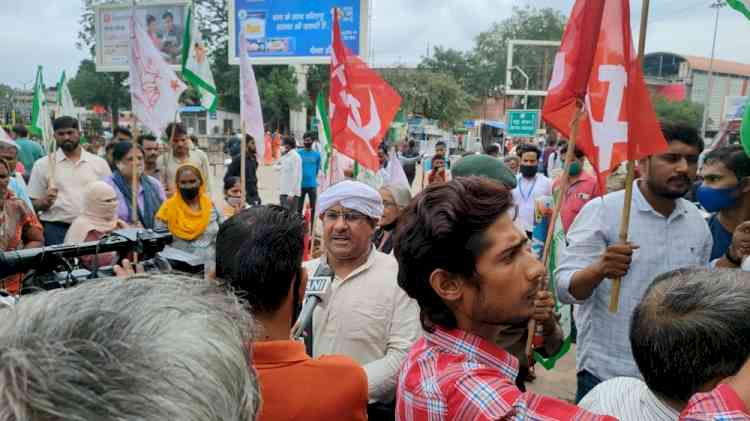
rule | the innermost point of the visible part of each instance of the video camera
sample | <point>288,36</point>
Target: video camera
<point>57,267</point>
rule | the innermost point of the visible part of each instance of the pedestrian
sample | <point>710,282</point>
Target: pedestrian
<point>19,227</point>
<point>725,192</point>
<point>368,318</point>
<point>60,200</point>
<point>290,178</point>
<point>233,197</point>
<point>267,149</point>
<point>395,199</point>
<point>438,174</point>
<point>150,191</point>
<point>122,134</point>
<point>531,186</point>
<point>493,150</point>
<point>98,219</point>
<point>409,157</point>
<point>513,163</point>
<point>311,164</point>
<point>582,187</point>
<point>465,294</point>
<point>190,215</point>
<point>675,352</point>
<point>29,151</point>
<point>181,153</point>
<point>9,151</point>
<point>251,171</point>
<point>151,152</point>
<point>666,232</point>
<point>276,146</point>
<point>259,255</point>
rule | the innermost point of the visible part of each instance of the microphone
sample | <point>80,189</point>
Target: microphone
<point>316,293</point>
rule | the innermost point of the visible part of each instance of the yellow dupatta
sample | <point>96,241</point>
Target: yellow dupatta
<point>182,220</point>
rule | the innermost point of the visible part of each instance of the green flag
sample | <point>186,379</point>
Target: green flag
<point>565,312</point>
<point>324,132</point>
<point>745,129</point>
<point>742,6</point>
<point>195,66</point>
<point>41,125</point>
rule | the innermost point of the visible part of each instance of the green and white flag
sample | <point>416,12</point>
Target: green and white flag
<point>565,312</point>
<point>324,132</point>
<point>196,68</point>
<point>742,6</point>
<point>65,104</point>
<point>41,124</point>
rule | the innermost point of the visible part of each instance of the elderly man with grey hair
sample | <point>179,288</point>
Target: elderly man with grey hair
<point>395,199</point>
<point>152,347</point>
<point>368,317</point>
<point>688,334</point>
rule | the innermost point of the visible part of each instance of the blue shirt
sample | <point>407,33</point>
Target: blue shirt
<point>722,237</point>
<point>20,191</point>
<point>310,167</point>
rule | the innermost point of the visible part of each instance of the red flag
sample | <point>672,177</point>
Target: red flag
<point>363,105</point>
<point>620,123</point>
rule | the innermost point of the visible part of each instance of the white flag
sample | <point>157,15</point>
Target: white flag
<point>64,99</point>
<point>250,109</point>
<point>396,174</point>
<point>155,89</point>
<point>5,138</point>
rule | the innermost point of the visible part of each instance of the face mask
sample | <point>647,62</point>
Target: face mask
<point>528,171</point>
<point>234,201</point>
<point>575,169</point>
<point>715,200</point>
<point>190,193</point>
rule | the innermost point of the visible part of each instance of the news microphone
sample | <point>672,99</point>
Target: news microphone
<point>316,293</point>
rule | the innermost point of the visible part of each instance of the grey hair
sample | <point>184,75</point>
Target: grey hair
<point>152,347</point>
<point>690,329</point>
<point>401,194</point>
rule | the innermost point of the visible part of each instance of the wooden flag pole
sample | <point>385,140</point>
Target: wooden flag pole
<point>614,299</point>
<point>564,182</point>
<point>134,176</point>
<point>243,158</point>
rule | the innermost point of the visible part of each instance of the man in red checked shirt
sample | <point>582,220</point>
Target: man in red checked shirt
<point>471,271</point>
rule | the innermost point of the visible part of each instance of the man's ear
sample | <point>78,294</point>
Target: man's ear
<point>446,285</point>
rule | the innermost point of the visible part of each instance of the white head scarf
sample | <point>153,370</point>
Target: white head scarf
<point>352,195</point>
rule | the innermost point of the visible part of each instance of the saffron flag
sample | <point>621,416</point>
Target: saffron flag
<point>155,89</point>
<point>195,66</point>
<point>620,123</point>
<point>250,108</point>
<point>362,107</point>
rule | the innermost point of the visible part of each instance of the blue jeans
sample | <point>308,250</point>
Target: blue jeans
<point>54,233</point>
<point>585,382</point>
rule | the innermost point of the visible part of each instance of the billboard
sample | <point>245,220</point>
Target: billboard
<point>294,31</point>
<point>734,107</point>
<point>164,21</point>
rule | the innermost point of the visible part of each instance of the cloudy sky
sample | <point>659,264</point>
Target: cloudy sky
<point>44,32</point>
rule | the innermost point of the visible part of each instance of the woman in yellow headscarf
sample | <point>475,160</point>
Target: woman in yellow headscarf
<point>190,215</point>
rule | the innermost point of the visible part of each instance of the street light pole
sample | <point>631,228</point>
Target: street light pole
<point>718,5</point>
<point>526,91</point>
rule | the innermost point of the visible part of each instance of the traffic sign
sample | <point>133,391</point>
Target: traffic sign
<point>522,123</point>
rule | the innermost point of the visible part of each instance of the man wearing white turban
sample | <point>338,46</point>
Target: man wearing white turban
<point>367,316</point>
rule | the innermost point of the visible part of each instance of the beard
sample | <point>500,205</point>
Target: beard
<point>663,190</point>
<point>69,145</point>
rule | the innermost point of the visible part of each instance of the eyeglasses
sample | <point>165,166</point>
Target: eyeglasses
<point>350,218</point>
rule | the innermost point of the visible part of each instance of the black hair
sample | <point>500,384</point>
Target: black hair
<point>310,135</point>
<point>123,130</point>
<point>167,15</point>
<point>577,152</point>
<point>492,149</point>
<point>691,328</point>
<point>230,182</point>
<point>733,157</point>
<point>64,122</point>
<point>289,141</point>
<point>440,217</point>
<point>529,148</point>
<point>683,133</point>
<point>20,130</point>
<point>178,128</point>
<point>263,268</point>
<point>440,143</point>
<point>144,137</point>
<point>121,149</point>
<point>149,19</point>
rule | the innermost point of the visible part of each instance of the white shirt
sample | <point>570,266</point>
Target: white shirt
<point>666,243</point>
<point>291,174</point>
<point>524,196</point>
<point>370,319</point>
<point>627,399</point>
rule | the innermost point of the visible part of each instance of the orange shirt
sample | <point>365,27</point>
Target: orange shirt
<point>294,386</point>
<point>578,194</point>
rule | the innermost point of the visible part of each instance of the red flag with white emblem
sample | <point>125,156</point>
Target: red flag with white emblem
<point>363,105</point>
<point>620,123</point>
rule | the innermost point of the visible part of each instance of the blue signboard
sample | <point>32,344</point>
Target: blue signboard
<point>294,31</point>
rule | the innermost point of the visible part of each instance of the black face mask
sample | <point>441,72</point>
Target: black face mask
<point>190,193</point>
<point>528,171</point>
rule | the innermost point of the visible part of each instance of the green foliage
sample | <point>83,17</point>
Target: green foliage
<point>434,95</point>
<point>681,112</point>
<point>90,87</point>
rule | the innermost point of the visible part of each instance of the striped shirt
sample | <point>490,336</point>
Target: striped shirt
<point>627,399</point>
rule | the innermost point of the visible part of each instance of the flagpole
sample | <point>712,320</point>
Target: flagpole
<point>134,176</point>
<point>243,157</point>
<point>564,183</point>
<point>614,299</point>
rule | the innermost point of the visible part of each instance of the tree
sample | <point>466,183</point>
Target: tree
<point>680,112</point>
<point>278,94</point>
<point>449,62</point>
<point>434,95</point>
<point>90,87</point>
